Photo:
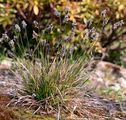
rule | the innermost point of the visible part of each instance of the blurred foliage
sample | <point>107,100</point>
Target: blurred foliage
<point>9,8</point>
<point>52,12</point>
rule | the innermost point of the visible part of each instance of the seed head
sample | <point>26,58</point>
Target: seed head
<point>104,13</point>
<point>89,23</point>
<point>50,27</point>
<point>118,24</point>
<point>56,13</point>
<point>11,43</point>
<point>17,28</point>
<point>35,23</point>
<point>66,18</point>
<point>4,37</point>
<point>66,38</point>
<point>91,34</point>
<point>24,24</point>
<point>67,9</point>
<point>10,54</point>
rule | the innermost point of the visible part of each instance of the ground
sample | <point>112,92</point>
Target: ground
<point>86,105</point>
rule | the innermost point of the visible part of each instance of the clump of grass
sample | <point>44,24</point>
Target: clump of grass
<point>52,81</point>
<point>49,69</point>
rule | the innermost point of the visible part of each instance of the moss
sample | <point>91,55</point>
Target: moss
<point>22,114</point>
<point>6,114</point>
<point>12,113</point>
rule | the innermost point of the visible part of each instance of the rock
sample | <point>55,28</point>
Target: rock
<point>6,64</point>
<point>10,83</point>
<point>122,82</point>
<point>108,75</point>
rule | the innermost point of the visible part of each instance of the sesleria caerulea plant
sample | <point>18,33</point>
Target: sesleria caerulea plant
<point>53,80</point>
<point>53,77</point>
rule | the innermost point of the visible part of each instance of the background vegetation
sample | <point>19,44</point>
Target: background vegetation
<point>52,22</point>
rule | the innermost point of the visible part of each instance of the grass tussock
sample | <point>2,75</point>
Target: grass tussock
<point>52,81</point>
